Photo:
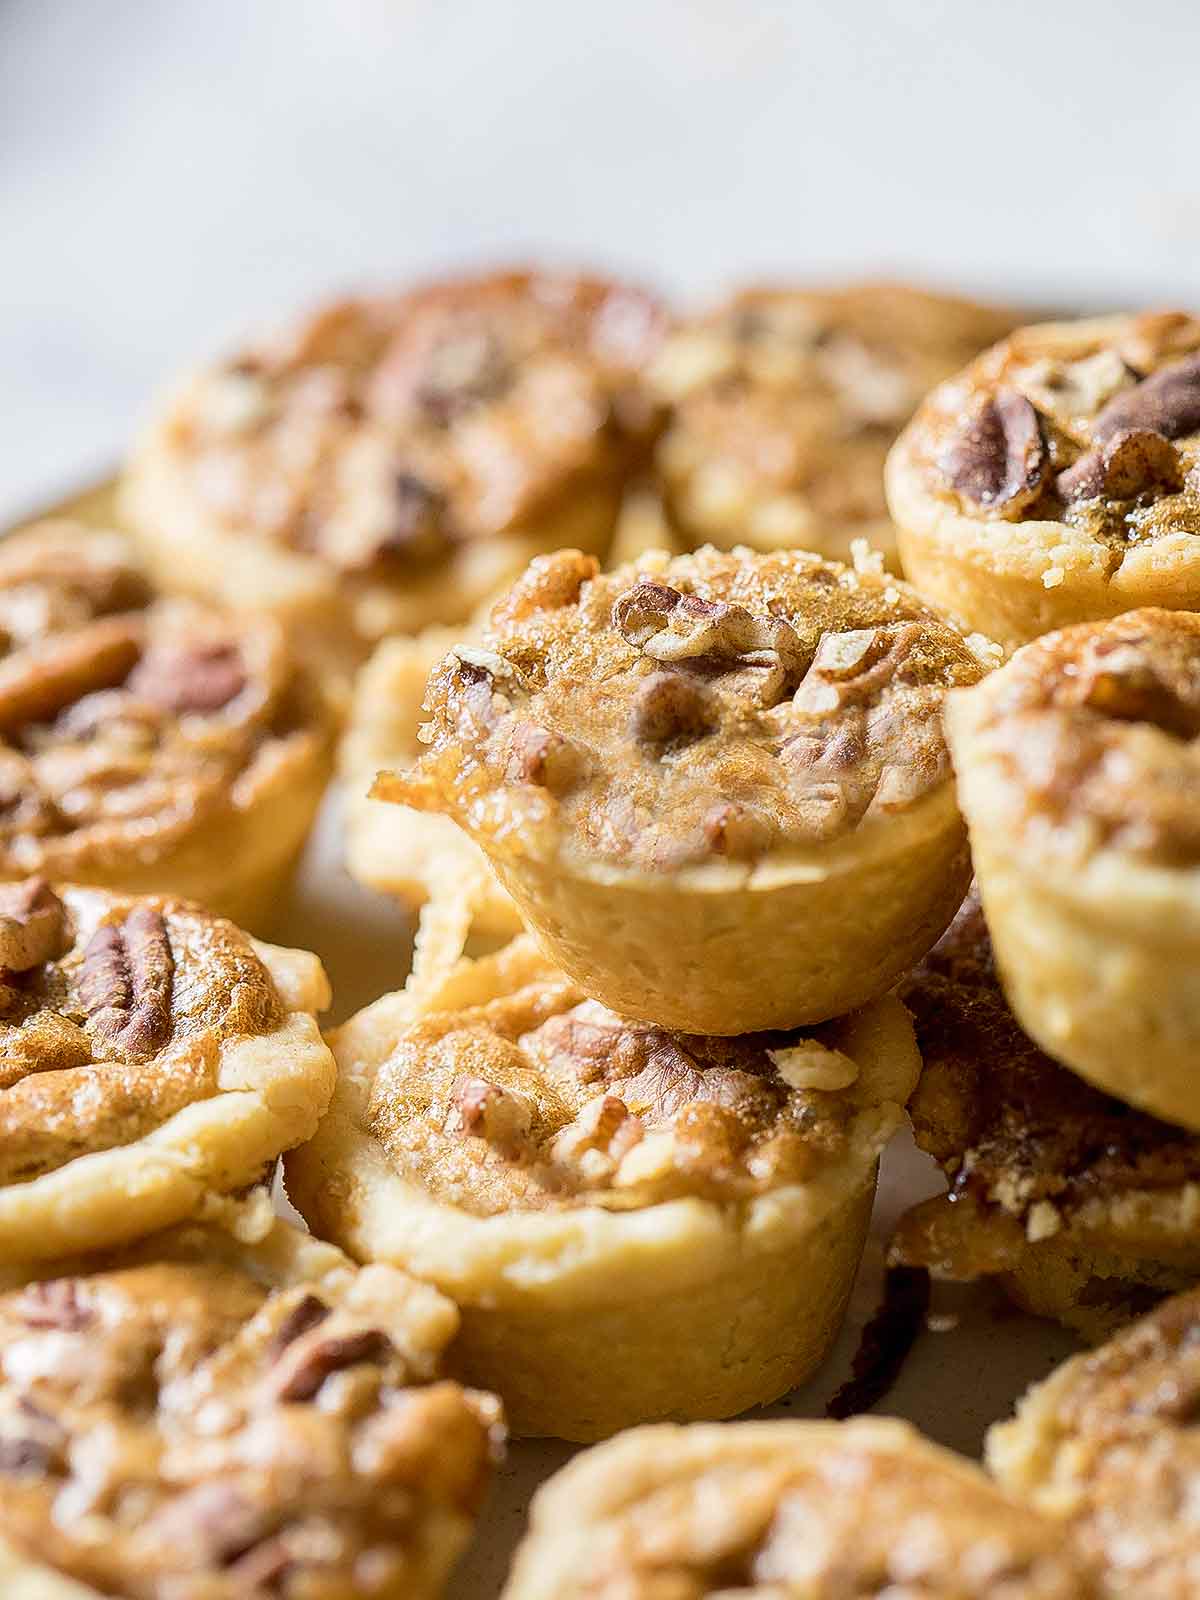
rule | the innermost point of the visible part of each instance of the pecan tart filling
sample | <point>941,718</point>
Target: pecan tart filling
<point>596,1193</point>
<point>773,1509</point>
<point>403,455</point>
<point>148,744</point>
<point>1085,1207</point>
<point>150,1051</point>
<point>1078,770</point>
<point>201,1420</point>
<point>724,726</point>
<point>1108,1445</point>
<point>785,401</point>
<point>1058,478</point>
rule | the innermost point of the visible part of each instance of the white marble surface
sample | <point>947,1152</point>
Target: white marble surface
<point>173,170</point>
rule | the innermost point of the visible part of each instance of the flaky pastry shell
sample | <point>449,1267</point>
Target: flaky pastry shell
<point>1057,479</point>
<point>810,1509</point>
<point>220,1408</point>
<point>153,1055</point>
<point>715,786</point>
<point>1077,768</point>
<point>634,1224</point>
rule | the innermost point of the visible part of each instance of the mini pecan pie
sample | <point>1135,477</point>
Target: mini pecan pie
<point>392,461</point>
<point>1057,479</point>
<point>1086,1208</point>
<point>148,744</point>
<point>636,1224</point>
<point>773,1510</point>
<point>414,854</point>
<point>1109,1446</point>
<point>784,403</point>
<point>150,1053</point>
<point>201,1419</point>
<point>716,786</point>
<point>1079,769</point>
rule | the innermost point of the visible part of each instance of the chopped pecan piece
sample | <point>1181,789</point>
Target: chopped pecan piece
<point>462,373</point>
<point>731,830</point>
<point>1125,686</point>
<point>486,1111</point>
<point>54,1303</point>
<point>1122,467</point>
<point>305,1366</point>
<point>32,924</point>
<point>420,513</point>
<point>537,755</point>
<point>642,611</point>
<point>997,459</point>
<point>203,676</point>
<point>126,982</point>
<point>669,706</point>
<point>305,1315</point>
<point>1166,403</point>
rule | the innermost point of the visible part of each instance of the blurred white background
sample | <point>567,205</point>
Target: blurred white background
<point>172,171</point>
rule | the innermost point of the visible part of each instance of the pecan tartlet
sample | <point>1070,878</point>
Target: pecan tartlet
<point>392,461</point>
<point>1084,1208</point>
<point>814,1510</point>
<point>785,401</point>
<point>717,786</point>
<point>151,1053</point>
<point>1057,479</point>
<point>416,855</point>
<point>636,1224</point>
<point>1079,767</point>
<point>148,744</point>
<point>208,1419</point>
<point>1109,1447</point>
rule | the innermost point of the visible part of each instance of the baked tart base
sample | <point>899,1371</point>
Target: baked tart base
<point>786,1508</point>
<point>684,1251</point>
<point>228,1410</point>
<point>155,1055</point>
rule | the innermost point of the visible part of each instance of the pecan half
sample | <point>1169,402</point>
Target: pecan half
<point>198,676</point>
<point>32,924</point>
<point>301,1376</point>
<point>46,677</point>
<point>1166,403</point>
<point>126,982</point>
<point>997,458</point>
<point>1122,467</point>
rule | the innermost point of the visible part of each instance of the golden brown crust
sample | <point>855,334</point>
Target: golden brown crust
<point>1108,1444</point>
<point>140,735</point>
<point>784,402</point>
<point>1092,737</point>
<point>220,1421</point>
<point>717,706</point>
<point>768,1509</point>
<point>382,439</point>
<point>1050,1180</point>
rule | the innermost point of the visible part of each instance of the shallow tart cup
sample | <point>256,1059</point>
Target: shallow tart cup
<point>635,1224</point>
<point>776,1509</point>
<point>1108,1446</point>
<point>149,744</point>
<point>1083,1208</point>
<point>783,402</point>
<point>153,1055</point>
<point>715,786</point>
<point>1057,479</point>
<point>232,1410</point>
<point>392,461</point>
<point>417,856</point>
<point>1078,767</point>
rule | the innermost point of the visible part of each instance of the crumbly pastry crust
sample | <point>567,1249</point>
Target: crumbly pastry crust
<point>635,1224</point>
<point>390,462</point>
<point>784,403</point>
<point>153,1054</point>
<point>679,767</point>
<point>1086,1209</point>
<point>774,1509</point>
<point>1057,479</point>
<point>148,744</point>
<point>415,855</point>
<point>223,1412</point>
<point>1108,1445</point>
<point>1077,770</point>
